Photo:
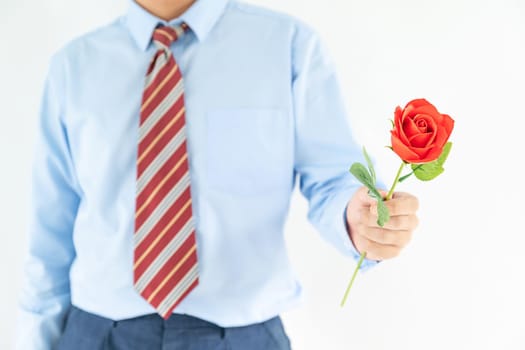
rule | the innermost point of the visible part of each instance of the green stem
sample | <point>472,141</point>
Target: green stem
<point>359,263</point>
<point>396,180</point>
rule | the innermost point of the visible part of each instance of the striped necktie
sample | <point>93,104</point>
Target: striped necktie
<point>165,255</point>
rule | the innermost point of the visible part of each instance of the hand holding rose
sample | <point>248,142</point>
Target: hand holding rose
<point>378,242</point>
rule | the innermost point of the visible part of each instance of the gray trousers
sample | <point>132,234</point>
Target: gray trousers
<point>87,331</point>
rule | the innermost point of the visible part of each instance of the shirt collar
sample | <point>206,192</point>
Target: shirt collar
<point>201,16</point>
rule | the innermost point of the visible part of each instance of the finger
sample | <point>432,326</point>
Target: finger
<point>387,237</point>
<point>362,196</point>
<point>365,199</point>
<point>399,205</point>
<point>400,222</point>
<point>376,251</point>
<point>402,195</point>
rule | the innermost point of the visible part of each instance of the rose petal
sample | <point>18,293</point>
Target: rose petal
<point>422,106</point>
<point>408,111</point>
<point>398,125</point>
<point>431,122</point>
<point>410,128</point>
<point>412,106</point>
<point>428,110</point>
<point>442,136</point>
<point>397,118</point>
<point>421,140</point>
<point>431,140</point>
<point>418,102</point>
<point>421,124</point>
<point>420,151</point>
<point>398,113</point>
<point>447,123</point>
<point>432,154</point>
<point>443,131</point>
<point>402,150</point>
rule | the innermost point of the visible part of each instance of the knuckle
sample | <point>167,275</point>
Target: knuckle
<point>402,222</point>
<point>373,209</point>
<point>392,206</point>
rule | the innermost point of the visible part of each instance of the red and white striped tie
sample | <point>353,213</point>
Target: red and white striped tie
<point>165,257</point>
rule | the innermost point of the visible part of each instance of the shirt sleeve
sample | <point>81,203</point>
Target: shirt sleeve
<point>324,145</point>
<point>45,295</point>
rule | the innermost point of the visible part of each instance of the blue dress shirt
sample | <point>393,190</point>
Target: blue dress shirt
<point>263,105</point>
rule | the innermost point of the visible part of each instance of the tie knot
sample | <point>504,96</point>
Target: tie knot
<point>165,35</point>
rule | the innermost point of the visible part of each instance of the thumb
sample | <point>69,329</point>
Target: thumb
<point>364,199</point>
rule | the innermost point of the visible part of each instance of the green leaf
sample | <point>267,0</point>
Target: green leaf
<point>374,193</point>
<point>367,178</point>
<point>382,212</point>
<point>429,171</point>
<point>444,154</point>
<point>370,166</point>
<point>362,174</point>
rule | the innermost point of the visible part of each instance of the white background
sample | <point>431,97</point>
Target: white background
<point>460,284</point>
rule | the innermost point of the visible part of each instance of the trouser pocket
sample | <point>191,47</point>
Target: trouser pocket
<point>84,331</point>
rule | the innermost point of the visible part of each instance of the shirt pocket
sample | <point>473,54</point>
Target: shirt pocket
<point>249,150</point>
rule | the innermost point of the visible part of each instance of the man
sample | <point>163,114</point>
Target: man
<point>169,144</point>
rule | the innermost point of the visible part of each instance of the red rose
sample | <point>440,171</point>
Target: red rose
<point>420,132</point>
